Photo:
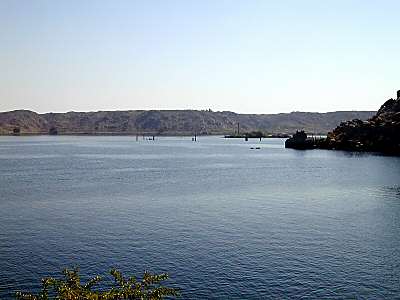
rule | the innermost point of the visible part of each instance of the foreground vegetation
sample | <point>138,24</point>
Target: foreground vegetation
<point>70,288</point>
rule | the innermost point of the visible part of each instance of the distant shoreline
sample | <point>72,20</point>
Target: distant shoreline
<point>172,123</point>
<point>272,136</point>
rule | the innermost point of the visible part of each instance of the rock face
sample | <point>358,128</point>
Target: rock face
<point>381,133</point>
<point>171,122</point>
<point>300,141</point>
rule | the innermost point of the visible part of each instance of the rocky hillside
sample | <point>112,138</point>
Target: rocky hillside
<point>171,122</point>
<point>381,133</point>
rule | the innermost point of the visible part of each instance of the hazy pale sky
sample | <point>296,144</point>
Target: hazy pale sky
<point>244,56</point>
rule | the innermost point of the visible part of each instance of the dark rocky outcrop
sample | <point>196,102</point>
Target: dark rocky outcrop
<point>381,133</point>
<point>301,141</point>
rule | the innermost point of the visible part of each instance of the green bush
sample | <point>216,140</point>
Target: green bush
<point>70,288</point>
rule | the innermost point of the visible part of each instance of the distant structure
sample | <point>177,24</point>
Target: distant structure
<point>53,131</point>
<point>16,131</point>
<point>398,94</point>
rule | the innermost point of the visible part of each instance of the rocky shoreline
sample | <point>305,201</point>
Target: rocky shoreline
<point>381,133</point>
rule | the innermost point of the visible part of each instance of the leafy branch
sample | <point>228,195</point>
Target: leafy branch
<point>70,288</point>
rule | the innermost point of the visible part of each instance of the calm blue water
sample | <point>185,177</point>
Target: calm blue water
<point>225,221</point>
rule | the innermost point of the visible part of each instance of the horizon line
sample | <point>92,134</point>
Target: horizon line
<point>184,109</point>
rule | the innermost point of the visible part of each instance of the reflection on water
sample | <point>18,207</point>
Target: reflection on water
<point>222,219</point>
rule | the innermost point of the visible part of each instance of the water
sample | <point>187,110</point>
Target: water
<point>225,221</point>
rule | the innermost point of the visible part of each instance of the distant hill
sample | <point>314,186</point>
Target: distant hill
<point>171,122</point>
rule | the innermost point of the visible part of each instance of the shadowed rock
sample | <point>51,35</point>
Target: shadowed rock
<point>300,141</point>
<point>381,133</point>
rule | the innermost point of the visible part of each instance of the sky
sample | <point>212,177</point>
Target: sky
<point>245,56</point>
